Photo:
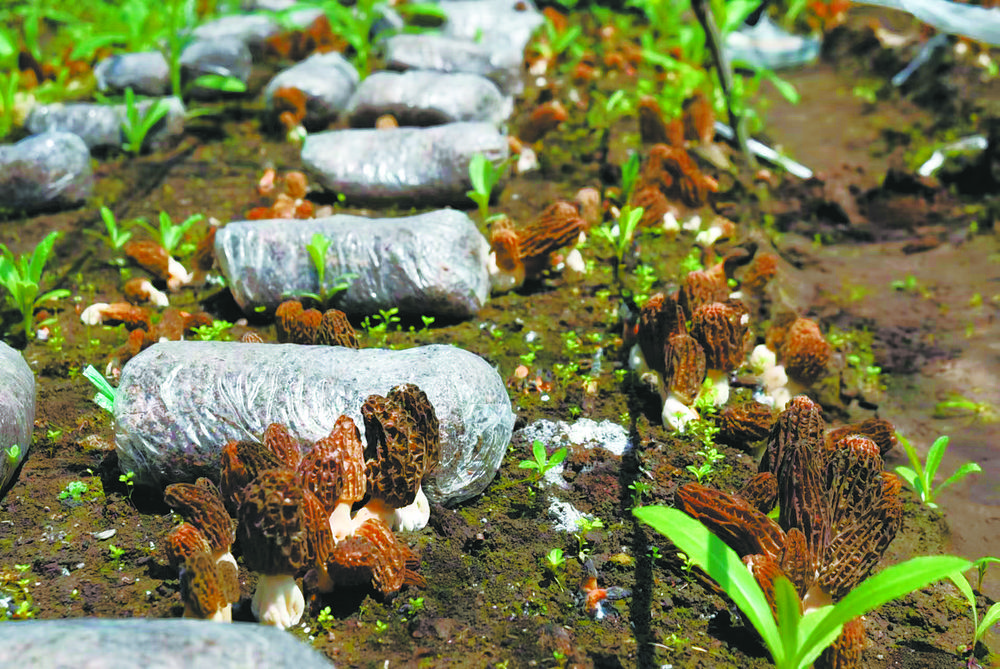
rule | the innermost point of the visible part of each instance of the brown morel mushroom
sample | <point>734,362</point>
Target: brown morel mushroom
<point>805,352</point>
<point>274,535</point>
<point>138,290</point>
<point>373,555</point>
<point>743,424</point>
<point>157,261</point>
<point>335,330</point>
<point>241,462</point>
<point>878,430</point>
<point>722,329</point>
<point>201,506</point>
<point>208,588</point>
<point>526,253</point>
<point>334,470</point>
<point>403,444</point>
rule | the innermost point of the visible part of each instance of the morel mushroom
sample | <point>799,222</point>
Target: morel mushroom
<point>201,505</point>
<point>208,586</point>
<point>403,444</point>
<point>373,555</point>
<point>523,254</point>
<point>274,535</point>
<point>334,470</point>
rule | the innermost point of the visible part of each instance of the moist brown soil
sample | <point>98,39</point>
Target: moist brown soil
<point>844,238</point>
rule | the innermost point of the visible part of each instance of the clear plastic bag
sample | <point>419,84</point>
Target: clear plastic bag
<point>17,412</point>
<point>422,166</point>
<point>178,404</point>
<point>430,264</point>
<point>441,53</point>
<point>45,171</point>
<point>101,125</point>
<point>423,97</point>
<point>327,79</point>
<point>979,23</point>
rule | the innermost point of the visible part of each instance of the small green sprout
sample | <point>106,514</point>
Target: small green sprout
<point>619,236</point>
<point>116,236</point>
<point>128,478</point>
<point>959,406</point>
<point>74,491</point>
<point>137,125</point>
<point>212,332</point>
<point>706,469</point>
<point>990,618</point>
<point>318,246</point>
<point>585,526</point>
<point>543,463</point>
<point>325,617</point>
<point>169,235</point>
<point>13,454</point>
<point>23,276</point>
<point>105,397</point>
<point>630,175</point>
<point>484,176</point>
<point>116,556</point>
<point>380,627</point>
<point>921,476</point>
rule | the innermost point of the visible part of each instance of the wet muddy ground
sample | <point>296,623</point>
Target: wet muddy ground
<point>849,243</point>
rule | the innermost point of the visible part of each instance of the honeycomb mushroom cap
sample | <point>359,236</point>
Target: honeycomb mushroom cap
<point>847,651</point>
<point>878,430</point>
<point>685,366</point>
<point>654,203</point>
<point>760,492</point>
<point>280,441</point>
<point>373,555</point>
<point>659,318</point>
<point>208,588</point>
<point>183,541</point>
<point>273,529</point>
<point>242,461</point>
<point>335,330</point>
<point>334,471</point>
<point>151,256</point>
<point>743,424</point>
<point>201,505</point>
<point>702,287</point>
<point>736,522</point>
<point>722,329</point>
<point>558,226</point>
<point>286,319</point>
<point>805,352</point>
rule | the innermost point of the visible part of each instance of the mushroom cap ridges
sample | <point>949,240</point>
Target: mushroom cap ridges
<point>721,328</point>
<point>559,225</point>
<point>334,470</point>
<point>846,652</point>
<point>744,423</point>
<point>741,526</point>
<point>373,555</point>
<point>182,542</point>
<point>242,461</point>
<point>335,330</point>
<point>659,318</point>
<point>801,419</point>
<point>202,506</point>
<point>150,256</point>
<point>505,244</point>
<point>878,430</point>
<point>760,492</point>
<point>273,528</point>
<point>702,287</point>
<point>403,442</point>
<point>207,586</point>
<point>685,366</point>
<point>805,351</point>
<point>286,319</point>
<point>280,441</point>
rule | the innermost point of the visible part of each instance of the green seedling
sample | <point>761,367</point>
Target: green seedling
<point>317,249</point>
<point>13,455</point>
<point>105,397</point>
<point>958,406</point>
<point>168,235</point>
<point>992,615</point>
<point>795,639</point>
<point>212,332</point>
<point>982,564</point>
<point>137,125</point>
<point>585,526</point>
<point>116,556</point>
<point>555,561</point>
<point>8,93</point>
<point>640,488</point>
<point>74,491</point>
<point>484,176</point>
<point>630,175</point>
<point>14,587</point>
<point>23,276</point>
<point>706,469</point>
<point>619,236</point>
<point>920,476</point>
<point>325,618</point>
<point>543,463</point>
<point>116,237</point>
<point>128,478</point>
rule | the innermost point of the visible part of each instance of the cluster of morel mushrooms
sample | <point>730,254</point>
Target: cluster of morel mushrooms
<point>326,517</point>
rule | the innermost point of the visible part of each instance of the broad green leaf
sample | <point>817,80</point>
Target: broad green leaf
<point>989,619</point>
<point>722,564</point>
<point>219,82</point>
<point>909,476</point>
<point>477,173</point>
<point>965,588</point>
<point>789,610</point>
<point>960,473</point>
<point>538,450</point>
<point>896,581</point>
<point>558,457</point>
<point>934,456</point>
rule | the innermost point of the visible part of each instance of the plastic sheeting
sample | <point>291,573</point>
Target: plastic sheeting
<point>17,411</point>
<point>178,404</point>
<point>45,171</point>
<point>430,264</point>
<point>978,23</point>
<point>100,126</point>
<point>326,79</point>
<point>421,97</point>
<point>421,166</point>
<point>441,53</point>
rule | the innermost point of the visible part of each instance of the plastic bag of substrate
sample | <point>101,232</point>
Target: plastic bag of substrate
<point>431,264</point>
<point>419,166</point>
<point>17,412</point>
<point>45,171</point>
<point>178,404</point>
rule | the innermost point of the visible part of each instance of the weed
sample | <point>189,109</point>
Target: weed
<point>555,561</point>
<point>543,463</point>
<point>921,476</point>
<point>13,454</point>
<point>116,237</point>
<point>137,124</point>
<point>105,397</point>
<point>128,478</point>
<point>325,618</point>
<point>15,594</point>
<point>74,491</point>
<point>484,176</point>
<point>640,488</point>
<point>169,235</point>
<point>706,469</point>
<point>795,639</point>
<point>212,332</point>
<point>959,406</point>
<point>619,236</point>
<point>116,556</point>
<point>585,526</point>
<point>317,248</point>
<point>22,278</point>
<point>992,615</point>
<point>379,332</point>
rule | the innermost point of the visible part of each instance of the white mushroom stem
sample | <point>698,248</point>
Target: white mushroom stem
<point>414,516</point>
<point>150,293</point>
<point>177,275</point>
<point>341,523</point>
<point>502,281</point>
<point>575,265</point>
<point>226,557</point>
<point>278,601</point>
<point>676,414</point>
<point>94,314</point>
<point>223,615</point>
